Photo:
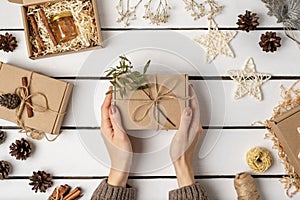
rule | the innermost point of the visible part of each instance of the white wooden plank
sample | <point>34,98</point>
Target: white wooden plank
<point>82,153</point>
<point>179,18</point>
<point>218,189</point>
<point>169,49</point>
<point>218,106</point>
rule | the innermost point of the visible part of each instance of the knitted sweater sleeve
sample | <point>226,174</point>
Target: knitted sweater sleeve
<point>108,192</point>
<point>192,192</point>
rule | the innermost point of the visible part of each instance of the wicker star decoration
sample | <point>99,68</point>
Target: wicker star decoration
<point>216,42</point>
<point>248,80</point>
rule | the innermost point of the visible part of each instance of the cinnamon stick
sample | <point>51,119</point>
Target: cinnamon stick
<point>73,194</point>
<point>49,30</point>
<point>28,101</point>
<point>36,32</point>
<point>59,192</point>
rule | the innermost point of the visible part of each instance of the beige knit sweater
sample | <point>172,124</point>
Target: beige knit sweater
<point>107,192</point>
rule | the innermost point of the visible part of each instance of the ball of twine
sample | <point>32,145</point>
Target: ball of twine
<point>259,159</point>
<point>245,187</point>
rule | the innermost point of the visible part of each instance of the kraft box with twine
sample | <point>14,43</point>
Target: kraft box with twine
<point>157,107</point>
<point>47,98</point>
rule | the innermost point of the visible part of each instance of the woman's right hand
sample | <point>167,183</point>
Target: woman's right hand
<point>185,142</point>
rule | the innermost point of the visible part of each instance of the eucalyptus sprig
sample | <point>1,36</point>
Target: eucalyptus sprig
<point>124,77</point>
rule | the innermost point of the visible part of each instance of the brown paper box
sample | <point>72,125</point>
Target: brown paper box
<point>57,93</point>
<point>26,27</point>
<point>136,104</point>
<point>286,130</point>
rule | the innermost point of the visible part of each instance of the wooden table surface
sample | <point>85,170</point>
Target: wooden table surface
<point>227,122</point>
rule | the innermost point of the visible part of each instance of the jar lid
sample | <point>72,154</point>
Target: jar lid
<point>61,15</point>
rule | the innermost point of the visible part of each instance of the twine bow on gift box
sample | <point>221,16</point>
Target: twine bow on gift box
<point>153,103</point>
<point>23,93</point>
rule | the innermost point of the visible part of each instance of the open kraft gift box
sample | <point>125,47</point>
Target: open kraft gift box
<point>89,34</point>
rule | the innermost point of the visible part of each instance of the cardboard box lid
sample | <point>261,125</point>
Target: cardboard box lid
<point>28,1</point>
<point>57,93</point>
<point>286,128</point>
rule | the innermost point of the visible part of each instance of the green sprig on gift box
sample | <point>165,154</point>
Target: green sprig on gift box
<point>124,77</point>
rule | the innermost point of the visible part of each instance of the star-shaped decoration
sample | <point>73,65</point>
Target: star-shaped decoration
<point>248,80</point>
<point>216,42</point>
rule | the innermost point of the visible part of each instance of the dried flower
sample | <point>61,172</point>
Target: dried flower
<point>198,10</point>
<point>161,13</point>
<point>126,12</point>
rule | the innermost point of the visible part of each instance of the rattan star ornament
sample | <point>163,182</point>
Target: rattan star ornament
<point>216,42</point>
<point>248,80</point>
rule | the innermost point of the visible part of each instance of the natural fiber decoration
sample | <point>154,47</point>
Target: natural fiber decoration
<point>291,99</point>
<point>159,14</point>
<point>84,19</point>
<point>249,80</point>
<point>216,42</point>
<point>286,12</point>
<point>200,9</point>
<point>245,187</point>
<point>259,159</point>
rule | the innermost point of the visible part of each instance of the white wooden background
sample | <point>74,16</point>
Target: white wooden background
<point>68,160</point>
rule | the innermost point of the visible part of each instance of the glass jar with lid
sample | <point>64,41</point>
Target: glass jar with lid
<point>64,27</point>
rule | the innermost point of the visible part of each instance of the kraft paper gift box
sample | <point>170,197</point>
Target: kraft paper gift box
<point>157,107</point>
<point>29,35</point>
<point>287,129</point>
<point>49,98</point>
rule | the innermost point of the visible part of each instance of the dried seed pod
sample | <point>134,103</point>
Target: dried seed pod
<point>8,42</point>
<point>248,21</point>
<point>40,181</point>
<point>21,149</point>
<point>269,41</point>
<point>2,136</point>
<point>10,101</point>
<point>5,169</point>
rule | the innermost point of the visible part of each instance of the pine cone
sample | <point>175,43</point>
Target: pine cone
<point>10,101</point>
<point>2,136</point>
<point>40,181</point>
<point>4,169</point>
<point>269,41</point>
<point>248,21</point>
<point>21,149</point>
<point>8,42</point>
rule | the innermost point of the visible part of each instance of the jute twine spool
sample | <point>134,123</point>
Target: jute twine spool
<point>245,187</point>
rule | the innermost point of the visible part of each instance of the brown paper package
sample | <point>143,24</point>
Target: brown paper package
<point>57,93</point>
<point>286,130</point>
<point>135,104</point>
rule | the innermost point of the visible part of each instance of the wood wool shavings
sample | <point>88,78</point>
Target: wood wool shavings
<point>84,19</point>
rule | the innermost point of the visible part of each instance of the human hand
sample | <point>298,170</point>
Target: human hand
<point>117,143</point>
<point>185,142</point>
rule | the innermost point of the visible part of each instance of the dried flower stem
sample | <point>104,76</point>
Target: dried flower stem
<point>198,10</point>
<point>126,13</point>
<point>161,13</point>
